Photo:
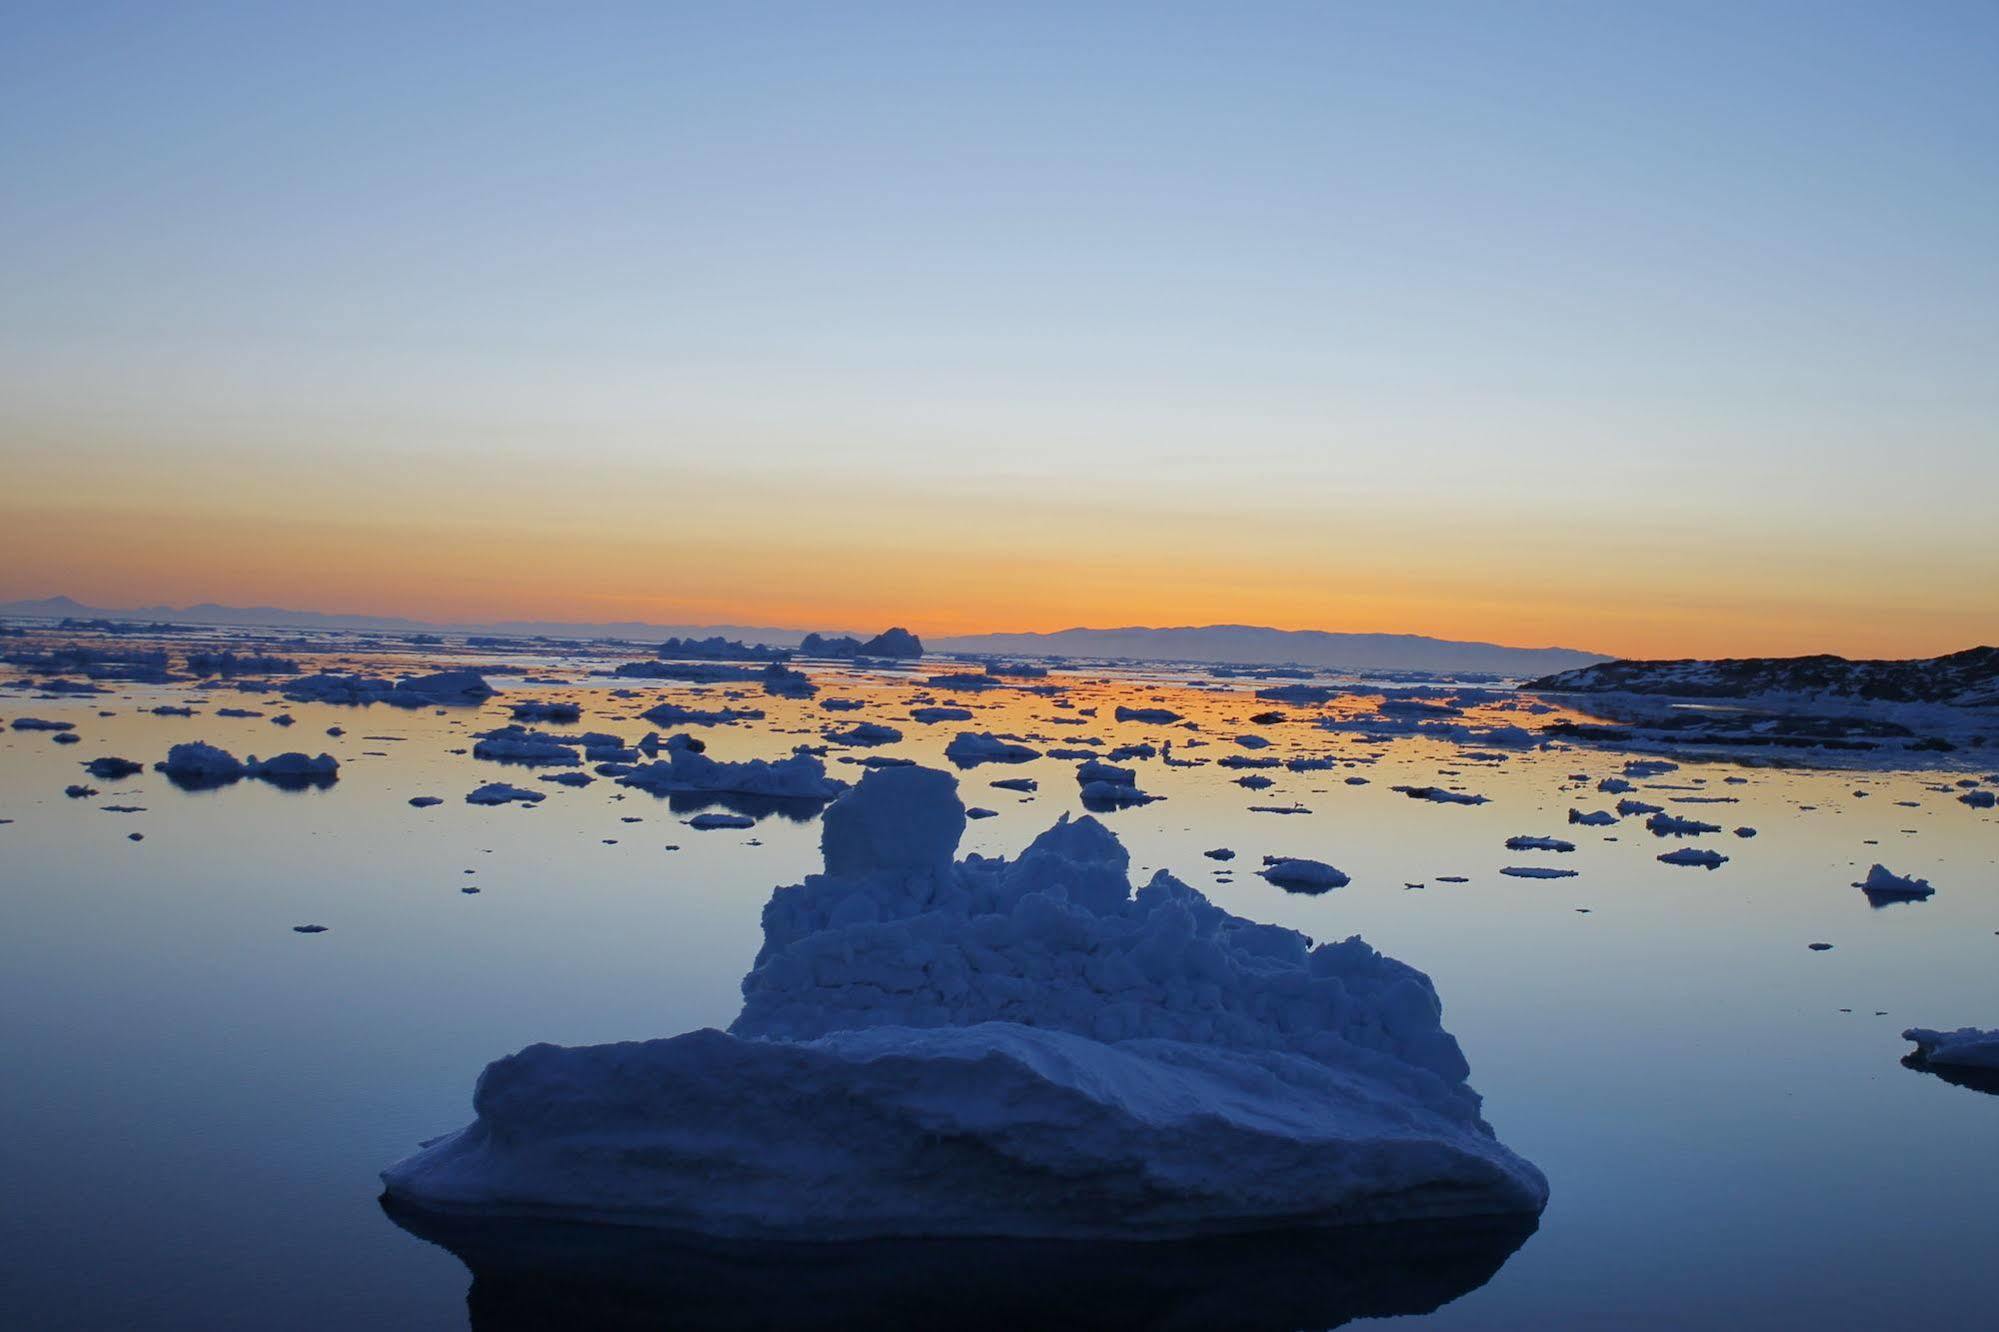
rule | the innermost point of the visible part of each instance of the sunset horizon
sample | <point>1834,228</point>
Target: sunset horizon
<point>1096,665</point>
<point>667,614</point>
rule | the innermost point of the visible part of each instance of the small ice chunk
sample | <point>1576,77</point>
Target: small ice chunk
<point>1663,824</point>
<point>1301,875</point>
<point>1538,844</point>
<point>1882,883</point>
<point>1694,856</point>
<point>968,749</point>
<point>499,793</point>
<point>110,768</point>
<point>865,733</point>
<point>1440,795</point>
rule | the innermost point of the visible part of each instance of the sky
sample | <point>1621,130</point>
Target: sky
<point>1652,329</point>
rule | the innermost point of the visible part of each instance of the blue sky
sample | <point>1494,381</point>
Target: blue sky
<point>1725,271</point>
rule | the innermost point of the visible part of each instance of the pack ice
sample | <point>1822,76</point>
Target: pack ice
<point>990,1047</point>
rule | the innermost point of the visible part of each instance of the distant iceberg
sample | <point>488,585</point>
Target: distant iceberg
<point>993,1048</point>
<point>897,642</point>
<point>441,689</point>
<point>718,648</point>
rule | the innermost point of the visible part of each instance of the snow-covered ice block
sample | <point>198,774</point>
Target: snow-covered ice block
<point>987,1047</point>
<point>1967,1046</point>
<point>197,764</point>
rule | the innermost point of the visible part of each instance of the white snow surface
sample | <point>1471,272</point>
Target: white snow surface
<point>1024,1047</point>
<point>200,762</point>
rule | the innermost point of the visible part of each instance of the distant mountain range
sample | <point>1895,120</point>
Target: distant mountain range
<point>1220,644</point>
<point>1247,644</point>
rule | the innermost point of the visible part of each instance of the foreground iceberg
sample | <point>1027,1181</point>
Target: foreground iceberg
<point>992,1048</point>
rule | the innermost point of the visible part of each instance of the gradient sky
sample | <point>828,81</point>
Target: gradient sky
<point>1658,329</point>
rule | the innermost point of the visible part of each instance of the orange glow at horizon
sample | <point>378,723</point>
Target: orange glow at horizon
<point>755,559</point>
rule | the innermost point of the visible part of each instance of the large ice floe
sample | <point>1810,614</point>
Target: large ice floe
<point>686,769</point>
<point>439,689</point>
<point>986,1048</point>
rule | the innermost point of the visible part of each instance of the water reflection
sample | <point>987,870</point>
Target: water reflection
<point>535,1275</point>
<point>1958,1075</point>
<point>790,808</point>
<point>195,783</point>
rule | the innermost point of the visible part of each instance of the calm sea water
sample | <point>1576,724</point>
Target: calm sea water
<point>198,1098</point>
